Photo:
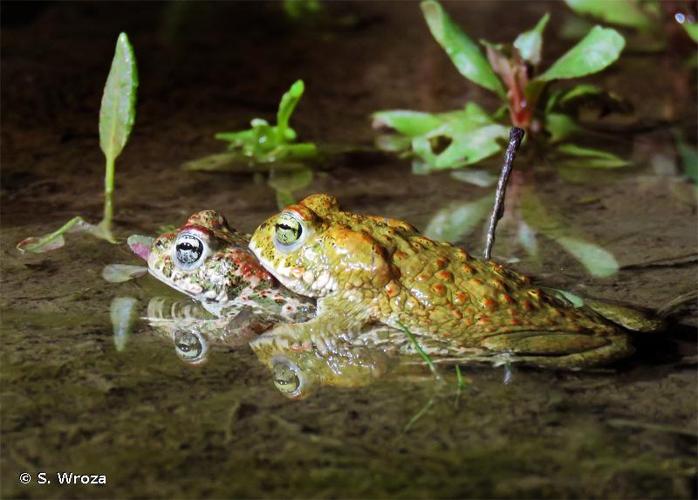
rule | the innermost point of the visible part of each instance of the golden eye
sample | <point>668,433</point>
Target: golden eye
<point>288,229</point>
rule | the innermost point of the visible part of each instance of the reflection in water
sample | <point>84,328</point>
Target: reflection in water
<point>527,213</point>
<point>355,361</point>
<point>190,346</point>
<point>121,313</point>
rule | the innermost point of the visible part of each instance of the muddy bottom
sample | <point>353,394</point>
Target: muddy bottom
<point>156,427</point>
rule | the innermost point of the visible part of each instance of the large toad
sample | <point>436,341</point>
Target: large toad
<point>367,269</point>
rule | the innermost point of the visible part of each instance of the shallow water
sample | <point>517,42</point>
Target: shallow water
<point>159,428</point>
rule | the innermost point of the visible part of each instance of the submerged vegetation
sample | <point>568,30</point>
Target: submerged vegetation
<point>464,137</point>
<point>117,115</point>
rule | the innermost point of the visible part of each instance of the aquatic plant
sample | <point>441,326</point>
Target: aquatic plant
<point>463,137</point>
<point>262,144</point>
<point>117,115</point>
<point>643,16</point>
<point>269,149</point>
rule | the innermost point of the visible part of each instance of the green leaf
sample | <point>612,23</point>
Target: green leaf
<point>464,53</point>
<point>596,260</point>
<point>579,91</point>
<point>393,143</point>
<point>530,43</point>
<point>587,94</point>
<point>626,13</point>
<point>118,111</point>
<point>444,140</point>
<point>560,126</point>
<point>409,123</point>
<point>470,146</point>
<point>288,104</point>
<point>452,224</point>
<point>692,30</point>
<point>596,51</point>
<point>55,240</point>
<point>589,158</point>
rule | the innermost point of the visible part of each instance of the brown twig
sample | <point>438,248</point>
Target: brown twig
<point>515,137</point>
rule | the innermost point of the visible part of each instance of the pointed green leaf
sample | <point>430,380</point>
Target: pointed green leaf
<point>587,94</point>
<point>626,13</point>
<point>288,104</point>
<point>118,111</point>
<point>409,123</point>
<point>530,43</point>
<point>589,158</point>
<point>472,134</point>
<point>578,91</point>
<point>560,126</point>
<point>596,51</point>
<point>596,260</point>
<point>464,53</point>
<point>471,146</point>
<point>692,30</point>
<point>393,143</point>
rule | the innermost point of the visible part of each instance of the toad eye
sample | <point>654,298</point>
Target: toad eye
<point>188,251</point>
<point>288,230</point>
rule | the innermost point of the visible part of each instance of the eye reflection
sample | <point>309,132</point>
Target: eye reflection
<point>190,346</point>
<point>288,377</point>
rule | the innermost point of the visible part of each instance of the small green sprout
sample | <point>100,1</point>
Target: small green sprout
<point>268,149</point>
<point>262,143</point>
<point>459,138</point>
<point>116,118</point>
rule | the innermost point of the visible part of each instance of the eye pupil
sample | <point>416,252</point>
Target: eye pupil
<point>288,232</point>
<point>188,250</point>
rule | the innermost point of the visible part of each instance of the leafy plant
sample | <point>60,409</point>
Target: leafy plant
<point>268,149</point>
<point>117,115</point>
<point>459,138</point>
<point>262,143</point>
